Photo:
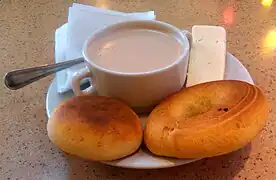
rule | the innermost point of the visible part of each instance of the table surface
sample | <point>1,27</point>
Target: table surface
<point>27,39</point>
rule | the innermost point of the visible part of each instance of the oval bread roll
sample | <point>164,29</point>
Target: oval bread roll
<point>206,120</point>
<point>95,128</point>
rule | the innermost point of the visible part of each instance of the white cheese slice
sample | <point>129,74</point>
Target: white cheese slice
<point>207,55</point>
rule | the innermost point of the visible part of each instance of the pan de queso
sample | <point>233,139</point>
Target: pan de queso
<point>95,128</point>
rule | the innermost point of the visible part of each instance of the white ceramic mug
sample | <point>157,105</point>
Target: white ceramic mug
<point>143,90</point>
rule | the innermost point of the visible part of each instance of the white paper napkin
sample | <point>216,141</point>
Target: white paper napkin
<point>83,21</point>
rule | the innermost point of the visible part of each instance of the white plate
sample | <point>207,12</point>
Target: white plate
<point>144,159</point>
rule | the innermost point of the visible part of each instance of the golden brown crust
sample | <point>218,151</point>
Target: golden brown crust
<point>95,128</point>
<point>206,120</point>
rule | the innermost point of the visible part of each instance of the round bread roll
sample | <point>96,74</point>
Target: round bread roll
<point>206,120</point>
<point>95,128</point>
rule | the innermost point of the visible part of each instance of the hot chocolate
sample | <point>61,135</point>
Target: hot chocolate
<point>135,50</point>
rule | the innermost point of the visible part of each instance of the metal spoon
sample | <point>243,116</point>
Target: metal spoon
<point>17,79</point>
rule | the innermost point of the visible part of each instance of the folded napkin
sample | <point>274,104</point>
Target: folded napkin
<point>83,21</point>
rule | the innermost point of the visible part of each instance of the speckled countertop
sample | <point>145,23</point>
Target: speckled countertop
<point>26,39</point>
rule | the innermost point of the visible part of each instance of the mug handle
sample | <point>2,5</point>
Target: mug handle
<point>76,81</point>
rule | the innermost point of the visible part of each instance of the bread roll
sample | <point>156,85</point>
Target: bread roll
<point>206,120</point>
<point>95,128</point>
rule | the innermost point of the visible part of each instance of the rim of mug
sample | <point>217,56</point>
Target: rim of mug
<point>185,51</point>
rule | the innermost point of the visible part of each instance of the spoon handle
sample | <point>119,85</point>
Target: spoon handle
<point>19,78</point>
